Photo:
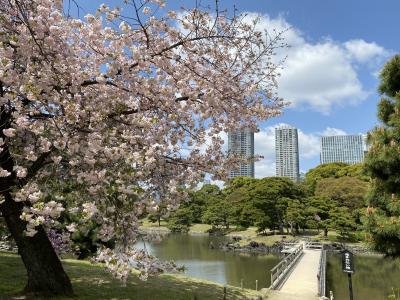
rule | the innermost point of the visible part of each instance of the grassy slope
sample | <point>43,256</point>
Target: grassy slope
<point>250,234</point>
<point>92,282</point>
<point>194,229</point>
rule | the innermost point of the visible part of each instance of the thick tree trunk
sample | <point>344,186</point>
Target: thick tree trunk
<point>281,229</point>
<point>46,275</point>
<point>292,229</point>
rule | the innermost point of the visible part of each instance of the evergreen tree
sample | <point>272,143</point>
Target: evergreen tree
<point>319,211</point>
<point>295,215</point>
<point>342,222</point>
<point>383,164</point>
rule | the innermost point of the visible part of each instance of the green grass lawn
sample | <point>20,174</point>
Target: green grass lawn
<point>199,228</point>
<point>194,229</point>
<point>250,234</point>
<point>92,282</point>
<point>334,237</point>
<point>146,224</point>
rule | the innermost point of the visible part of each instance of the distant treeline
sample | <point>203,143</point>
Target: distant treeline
<point>332,197</point>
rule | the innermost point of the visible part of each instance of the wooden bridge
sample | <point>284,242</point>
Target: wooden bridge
<point>301,273</point>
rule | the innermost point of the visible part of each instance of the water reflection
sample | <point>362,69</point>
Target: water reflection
<point>223,267</point>
<point>373,279</point>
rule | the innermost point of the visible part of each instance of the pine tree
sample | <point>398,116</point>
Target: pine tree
<point>383,165</point>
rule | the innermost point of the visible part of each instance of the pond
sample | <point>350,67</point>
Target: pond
<point>373,279</point>
<point>193,251</point>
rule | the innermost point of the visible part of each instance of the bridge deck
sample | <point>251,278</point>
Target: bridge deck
<point>303,281</point>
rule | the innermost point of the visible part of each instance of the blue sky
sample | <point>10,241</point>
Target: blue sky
<point>330,76</point>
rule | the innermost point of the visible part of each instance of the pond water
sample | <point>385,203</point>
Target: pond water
<point>373,279</point>
<point>193,251</point>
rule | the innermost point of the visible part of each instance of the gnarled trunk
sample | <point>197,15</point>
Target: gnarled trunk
<point>46,275</point>
<point>281,229</point>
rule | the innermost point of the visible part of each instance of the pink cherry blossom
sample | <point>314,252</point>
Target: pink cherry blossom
<point>9,132</point>
<point>4,173</point>
<point>146,10</point>
<point>21,172</point>
<point>130,109</point>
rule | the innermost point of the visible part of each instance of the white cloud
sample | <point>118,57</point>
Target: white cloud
<point>293,36</point>
<point>323,74</point>
<point>309,147</point>
<point>329,131</point>
<point>320,76</point>
<point>363,51</point>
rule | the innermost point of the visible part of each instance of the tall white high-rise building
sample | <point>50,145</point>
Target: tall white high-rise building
<point>241,142</point>
<point>287,152</point>
<point>348,149</point>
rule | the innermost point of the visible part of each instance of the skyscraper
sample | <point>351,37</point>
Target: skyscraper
<point>287,152</point>
<point>342,148</point>
<point>241,142</point>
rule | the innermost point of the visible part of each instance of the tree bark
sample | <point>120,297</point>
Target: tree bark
<point>281,228</point>
<point>292,229</point>
<point>46,275</point>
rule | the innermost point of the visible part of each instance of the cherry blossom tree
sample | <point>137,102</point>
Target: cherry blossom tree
<point>122,103</point>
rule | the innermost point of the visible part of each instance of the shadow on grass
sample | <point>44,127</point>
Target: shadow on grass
<point>92,282</point>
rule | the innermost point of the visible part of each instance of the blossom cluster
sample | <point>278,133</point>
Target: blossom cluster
<point>120,264</point>
<point>60,241</point>
<point>132,113</point>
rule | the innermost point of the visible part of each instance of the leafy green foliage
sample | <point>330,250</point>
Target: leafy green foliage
<point>242,212</point>
<point>318,212</point>
<point>180,220</point>
<point>322,171</point>
<point>193,210</point>
<point>334,170</point>
<point>218,213</point>
<point>383,165</point>
<point>345,191</point>
<point>336,188</point>
<point>342,222</point>
<point>390,77</point>
<point>273,203</point>
<point>155,217</point>
<point>262,202</point>
<point>199,200</point>
<point>295,214</point>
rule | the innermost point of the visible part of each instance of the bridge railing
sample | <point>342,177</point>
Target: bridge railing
<point>314,245</point>
<point>290,243</point>
<point>322,274</point>
<point>279,272</point>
